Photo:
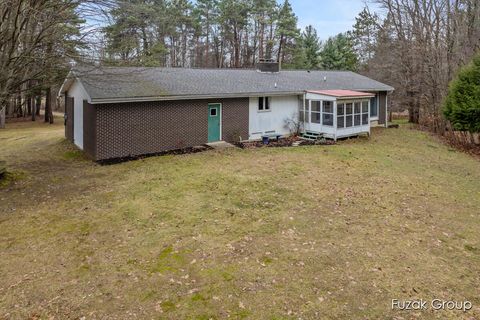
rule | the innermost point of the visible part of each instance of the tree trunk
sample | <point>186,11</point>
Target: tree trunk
<point>18,105</point>
<point>48,106</point>
<point>2,116</point>
<point>413,114</point>
<point>261,40</point>
<point>207,44</point>
<point>34,107</point>
<point>38,104</point>
<point>279,55</point>
<point>29,105</point>
<point>236,47</point>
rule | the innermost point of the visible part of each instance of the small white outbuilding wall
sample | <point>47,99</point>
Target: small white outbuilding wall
<point>79,94</point>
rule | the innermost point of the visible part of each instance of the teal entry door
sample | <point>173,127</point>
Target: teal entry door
<point>214,112</point>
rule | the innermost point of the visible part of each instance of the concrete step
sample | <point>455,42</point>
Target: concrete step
<point>220,145</point>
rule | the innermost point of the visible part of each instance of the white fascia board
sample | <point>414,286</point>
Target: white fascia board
<point>192,97</point>
<point>89,99</point>
<point>69,81</point>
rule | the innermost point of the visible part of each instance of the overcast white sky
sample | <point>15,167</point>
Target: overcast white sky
<point>329,17</point>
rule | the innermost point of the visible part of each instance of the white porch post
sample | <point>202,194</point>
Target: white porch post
<point>303,120</point>
<point>308,110</point>
<point>335,120</point>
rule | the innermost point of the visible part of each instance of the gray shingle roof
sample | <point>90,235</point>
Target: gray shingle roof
<point>122,83</point>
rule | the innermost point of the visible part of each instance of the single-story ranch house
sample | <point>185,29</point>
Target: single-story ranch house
<point>117,112</point>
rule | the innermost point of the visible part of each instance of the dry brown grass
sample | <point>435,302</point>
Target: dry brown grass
<point>317,232</point>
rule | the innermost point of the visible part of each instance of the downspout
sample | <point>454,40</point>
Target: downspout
<point>65,114</point>
<point>369,123</point>
<point>386,110</point>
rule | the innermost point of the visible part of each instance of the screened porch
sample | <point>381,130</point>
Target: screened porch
<point>336,113</point>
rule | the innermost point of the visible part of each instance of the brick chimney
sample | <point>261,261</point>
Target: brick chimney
<point>268,65</point>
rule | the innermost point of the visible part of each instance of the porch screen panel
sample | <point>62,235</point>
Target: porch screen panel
<point>357,109</point>
<point>327,113</point>
<point>348,115</point>
<point>364,112</point>
<point>340,115</point>
<point>315,112</point>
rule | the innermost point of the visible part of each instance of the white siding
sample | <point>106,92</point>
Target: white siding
<point>281,109</point>
<point>78,93</point>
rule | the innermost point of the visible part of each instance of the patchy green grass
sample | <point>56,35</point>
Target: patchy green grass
<point>319,232</point>
<point>73,154</point>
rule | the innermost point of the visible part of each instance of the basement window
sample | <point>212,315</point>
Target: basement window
<point>263,104</point>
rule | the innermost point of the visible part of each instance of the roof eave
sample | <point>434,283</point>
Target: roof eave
<point>206,96</point>
<point>67,83</point>
<point>193,97</point>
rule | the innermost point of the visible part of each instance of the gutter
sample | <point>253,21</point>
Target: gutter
<point>204,96</point>
<point>193,97</point>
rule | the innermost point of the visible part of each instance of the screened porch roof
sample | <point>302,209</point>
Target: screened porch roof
<point>342,94</point>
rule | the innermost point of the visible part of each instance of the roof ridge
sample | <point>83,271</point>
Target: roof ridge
<point>203,68</point>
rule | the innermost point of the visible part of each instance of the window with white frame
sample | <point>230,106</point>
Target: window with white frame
<point>263,104</point>
<point>327,113</point>
<point>315,112</point>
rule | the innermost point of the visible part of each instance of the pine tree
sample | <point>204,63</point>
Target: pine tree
<point>263,12</point>
<point>128,37</point>
<point>311,47</point>
<point>462,104</point>
<point>364,34</point>
<point>338,54</point>
<point>287,31</point>
<point>233,16</point>
<point>206,12</point>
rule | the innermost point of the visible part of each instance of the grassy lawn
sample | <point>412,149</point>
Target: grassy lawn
<point>315,232</point>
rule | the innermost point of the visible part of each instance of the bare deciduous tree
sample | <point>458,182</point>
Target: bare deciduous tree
<point>38,39</point>
<point>420,46</point>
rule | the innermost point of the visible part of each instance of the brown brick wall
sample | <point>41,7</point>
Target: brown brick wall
<point>89,129</point>
<point>234,119</point>
<point>132,129</point>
